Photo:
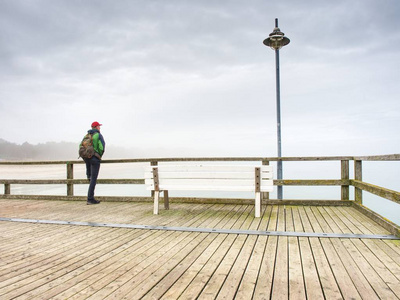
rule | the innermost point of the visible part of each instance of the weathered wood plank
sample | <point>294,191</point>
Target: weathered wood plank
<point>237,272</point>
<point>203,269</point>
<point>141,265</point>
<point>380,250</point>
<point>173,285</point>
<point>248,283</point>
<point>219,276</point>
<point>43,284</point>
<point>82,246</point>
<point>296,279</point>
<point>382,280</point>
<point>263,287</point>
<point>71,181</point>
<point>115,273</point>
<point>390,157</point>
<point>354,222</point>
<point>206,159</point>
<point>97,262</point>
<point>138,285</point>
<point>377,190</point>
<point>135,276</point>
<point>311,280</point>
<point>281,276</point>
<point>381,221</point>
<point>170,278</point>
<point>381,270</point>
<point>329,284</point>
<point>37,257</point>
<point>311,182</point>
<point>358,278</point>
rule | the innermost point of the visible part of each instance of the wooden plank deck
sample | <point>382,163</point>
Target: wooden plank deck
<point>48,261</point>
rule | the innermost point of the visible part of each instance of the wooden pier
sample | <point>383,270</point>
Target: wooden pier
<point>51,261</point>
<point>55,248</point>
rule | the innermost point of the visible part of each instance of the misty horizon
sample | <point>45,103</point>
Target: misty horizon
<point>203,85</point>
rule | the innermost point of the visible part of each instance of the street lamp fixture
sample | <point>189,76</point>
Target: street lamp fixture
<point>276,41</point>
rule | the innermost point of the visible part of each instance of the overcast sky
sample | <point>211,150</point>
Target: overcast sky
<point>193,78</point>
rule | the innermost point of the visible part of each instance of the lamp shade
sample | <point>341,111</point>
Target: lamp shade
<point>276,39</point>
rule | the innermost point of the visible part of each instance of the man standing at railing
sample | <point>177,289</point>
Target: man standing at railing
<point>93,163</point>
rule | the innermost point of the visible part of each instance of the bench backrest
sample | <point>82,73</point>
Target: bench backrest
<point>209,177</point>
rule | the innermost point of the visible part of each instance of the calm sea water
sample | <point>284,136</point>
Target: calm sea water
<point>383,174</point>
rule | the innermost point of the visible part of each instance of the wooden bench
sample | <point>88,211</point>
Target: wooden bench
<point>163,178</point>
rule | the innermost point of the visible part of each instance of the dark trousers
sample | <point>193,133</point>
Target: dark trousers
<point>92,172</point>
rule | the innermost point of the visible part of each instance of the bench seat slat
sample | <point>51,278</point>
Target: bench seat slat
<point>207,175</point>
<point>178,183</point>
<point>208,168</point>
<point>239,188</point>
<point>208,181</point>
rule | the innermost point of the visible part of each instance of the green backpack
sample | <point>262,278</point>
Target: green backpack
<point>86,149</point>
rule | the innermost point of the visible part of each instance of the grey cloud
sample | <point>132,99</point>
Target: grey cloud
<point>191,66</point>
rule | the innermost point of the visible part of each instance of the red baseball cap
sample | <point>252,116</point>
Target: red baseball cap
<point>95,124</point>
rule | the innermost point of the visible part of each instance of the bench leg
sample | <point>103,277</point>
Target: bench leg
<point>156,198</point>
<point>166,200</point>
<point>257,205</point>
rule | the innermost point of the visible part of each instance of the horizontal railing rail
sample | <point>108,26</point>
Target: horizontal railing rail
<point>391,157</point>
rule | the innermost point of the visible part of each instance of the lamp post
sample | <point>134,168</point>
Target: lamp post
<point>276,41</point>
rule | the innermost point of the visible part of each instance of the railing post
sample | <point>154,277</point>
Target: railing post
<point>345,178</point>
<point>265,195</point>
<point>154,163</point>
<point>358,176</point>
<point>70,175</point>
<point>7,189</point>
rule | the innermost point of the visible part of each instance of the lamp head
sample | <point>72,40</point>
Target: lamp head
<point>276,38</point>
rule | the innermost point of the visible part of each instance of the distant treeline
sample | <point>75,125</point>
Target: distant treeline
<point>47,151</point>
<point>51,151</point>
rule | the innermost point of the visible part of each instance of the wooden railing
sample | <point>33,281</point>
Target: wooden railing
<point>344,181</point>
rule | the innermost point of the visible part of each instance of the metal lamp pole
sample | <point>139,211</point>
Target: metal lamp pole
<point>276,41</point>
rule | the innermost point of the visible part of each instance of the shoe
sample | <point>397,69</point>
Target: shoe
<point>90,202</point>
